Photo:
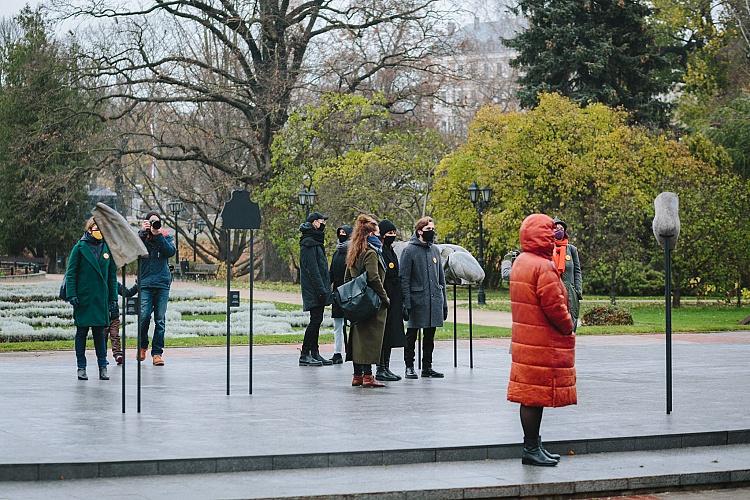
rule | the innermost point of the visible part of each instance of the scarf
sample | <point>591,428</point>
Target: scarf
<point>94,244</point>
<point>375,242</point>
<point>559,255</point>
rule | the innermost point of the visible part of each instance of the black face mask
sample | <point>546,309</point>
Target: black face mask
<point>388,240</point>
<point>343,238</point>
<point>322,227</point>
<point>428,236</point>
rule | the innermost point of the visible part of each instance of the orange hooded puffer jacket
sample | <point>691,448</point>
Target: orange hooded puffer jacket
<point>543,370</point>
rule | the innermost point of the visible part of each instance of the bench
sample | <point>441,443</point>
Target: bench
<point>197,270</point>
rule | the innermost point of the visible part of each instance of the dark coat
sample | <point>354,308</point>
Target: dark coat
<point>573,280</point>
<point>313,265</point>
<point>155,268</point>
<point>394,324</point>
<point>543,369</point>
<point>423,284</point>
<point>366,339</point>
<point>93,281</point>
<point>337,270</point>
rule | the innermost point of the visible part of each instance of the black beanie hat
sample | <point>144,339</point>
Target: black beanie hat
<point>347,229</point>
<point>385,226</point>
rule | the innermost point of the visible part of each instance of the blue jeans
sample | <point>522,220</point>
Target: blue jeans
<point>100,344</point>
<point>153,300</point>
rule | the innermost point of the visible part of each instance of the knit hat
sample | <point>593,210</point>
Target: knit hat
<point>385,226</point>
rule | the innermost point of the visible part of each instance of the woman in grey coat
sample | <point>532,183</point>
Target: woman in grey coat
<point>423,291</point>
<point>566,260</point>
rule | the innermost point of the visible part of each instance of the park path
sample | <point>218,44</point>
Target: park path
<point>479,317</point>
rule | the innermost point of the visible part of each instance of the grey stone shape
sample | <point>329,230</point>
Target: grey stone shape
<point>68,471</point>
<point>602,485</point>
<point>542,489</point>
<point>354,459</point>
<point>124,469</point>
<point>396,457</point>
<point>300,461</point>
<point>661,481</point>
<point>501,452</point>
<point>493,492</point>
<point>657,442</point>
<point>610,445</point>
<point>704,439</point>
<point>191,466</point>
<point>460,454</point>
<point>705,478</point>
<point>21,472</point>
<point>240,464</point>
<point>738,436</point>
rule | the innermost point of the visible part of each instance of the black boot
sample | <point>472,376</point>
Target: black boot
<point>428,372</point>
<point>387,366</point>
<point>316,355</point>
<point>306,360</point>
<point>533,455</point>
<point>410,373</point>
<point>553,456</point>
<point>337,359</point>
<point>384,375</point>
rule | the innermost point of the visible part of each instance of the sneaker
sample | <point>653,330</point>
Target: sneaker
<point>141,354</point>
<point>82,374</point>
<point>428,372</point>
<point>103,373</point>
<point>158,361</point>
<point>410,373</point>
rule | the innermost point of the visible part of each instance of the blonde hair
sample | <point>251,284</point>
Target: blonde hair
<point>89,223</point>
<point>363,226</point>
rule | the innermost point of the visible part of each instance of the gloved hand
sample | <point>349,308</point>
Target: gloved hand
<point>73,301</point>
<point>405,313</point>
<point>445,314</point>
<point>324,298</point>
<point>114,311</point>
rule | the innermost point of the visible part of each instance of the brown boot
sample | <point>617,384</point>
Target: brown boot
<point>141,354</point>
<point>369,381</point>
<point>356,380</point>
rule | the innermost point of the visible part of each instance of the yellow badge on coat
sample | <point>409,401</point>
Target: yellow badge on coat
<point>105,255</point>
<point>391,265</point>
<point>434,260</point>
<point>567,257</point>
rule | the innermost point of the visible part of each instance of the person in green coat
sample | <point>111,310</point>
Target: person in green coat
<point>366,339</point>
<point>568,264</point>
<point>91,288</point>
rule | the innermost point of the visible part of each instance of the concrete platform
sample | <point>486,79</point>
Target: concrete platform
<point>53,426</point>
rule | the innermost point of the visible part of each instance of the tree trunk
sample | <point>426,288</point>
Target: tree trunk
<point>613,284</point>
<point>676,295</point>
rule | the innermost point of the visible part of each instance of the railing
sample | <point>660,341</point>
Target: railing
<point>19,268</point>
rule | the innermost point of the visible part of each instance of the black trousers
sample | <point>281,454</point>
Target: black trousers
<point>362,369</point>
<point>428,345</point>
<point>312,332</point>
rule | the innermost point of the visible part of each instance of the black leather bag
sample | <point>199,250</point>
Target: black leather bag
<point>357,300</point>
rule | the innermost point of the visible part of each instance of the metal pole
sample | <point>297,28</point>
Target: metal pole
<point>140,333</point>
<point>455,336</point>
<point>195,237</point>
<point>668,303</point>
<point>250,333</point>
<point>229,313</point>
<point>122,336</point>
<point>480,294</point>
<point>419,349</point>
<point>471,340</point>
<point>177,241</point>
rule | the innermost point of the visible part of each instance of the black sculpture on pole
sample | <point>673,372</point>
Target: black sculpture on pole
<point>240,213</point>
<point>666,228</point>
<point>480,198</point>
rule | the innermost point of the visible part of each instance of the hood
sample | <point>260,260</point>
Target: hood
<point>309,235</point>
<point>414,240</point>
<point>347,229</point>
<point>537,235</point>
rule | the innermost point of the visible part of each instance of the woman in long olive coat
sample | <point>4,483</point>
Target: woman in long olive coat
<point>91,287</point>
<point>543,370</point>
<point>366,339</point>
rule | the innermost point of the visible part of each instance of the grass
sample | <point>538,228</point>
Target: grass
<point>242,281</point>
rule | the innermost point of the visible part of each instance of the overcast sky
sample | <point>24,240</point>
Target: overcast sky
<point>9,8</point>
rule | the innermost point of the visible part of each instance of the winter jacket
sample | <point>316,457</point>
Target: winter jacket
<point>155,268</point>
<point>394,325</point>
<point>366,339</point>
<point>314,280</point>
<point>543,368</point>
<point>423,284</point>
<point>338,268</point>
<point>572,279</point>
<point>93,280</point>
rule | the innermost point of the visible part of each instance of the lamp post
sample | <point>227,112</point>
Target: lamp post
<point>176,206</point>
<point>198,225</point>
<point>480,198</point>
<point>306,199</point>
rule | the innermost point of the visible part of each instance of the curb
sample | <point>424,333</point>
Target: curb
<point>208,465</point>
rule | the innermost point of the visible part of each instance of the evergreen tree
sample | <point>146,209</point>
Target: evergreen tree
<point>592,51</point>
<point>43,128</point>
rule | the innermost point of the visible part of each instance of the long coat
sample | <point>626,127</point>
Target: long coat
<point>543,369</point>
<point>423,284</point>
<point>94,281</point>
<point>336,272</point>
<point>573,281</point>
<point>313,265</point>
<point>366,339</point>
<point>394,324</point>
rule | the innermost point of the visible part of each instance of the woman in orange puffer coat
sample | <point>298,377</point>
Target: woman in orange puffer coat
<point>543,347</point>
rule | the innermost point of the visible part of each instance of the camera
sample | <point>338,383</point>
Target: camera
<point>156,224</point>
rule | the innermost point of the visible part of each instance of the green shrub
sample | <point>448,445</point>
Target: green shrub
<point>607,315</point>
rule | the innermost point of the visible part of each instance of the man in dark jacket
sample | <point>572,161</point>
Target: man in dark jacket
<point>423,292</point>
<point>337,270</point>
<point>155,282</point>
<point>315,284</point>
<point>394,324</point>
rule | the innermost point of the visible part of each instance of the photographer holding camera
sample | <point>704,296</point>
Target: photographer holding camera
<point>155,282</point>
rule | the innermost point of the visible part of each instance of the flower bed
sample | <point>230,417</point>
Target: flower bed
<point>34,312</point>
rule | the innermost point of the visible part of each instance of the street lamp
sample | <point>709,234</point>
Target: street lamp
<point>176,206</point>
<point>306,199</point>
<point>480,198</point>
<point>197,227</point>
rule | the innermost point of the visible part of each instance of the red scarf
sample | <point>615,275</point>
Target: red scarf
<point>558,257</point>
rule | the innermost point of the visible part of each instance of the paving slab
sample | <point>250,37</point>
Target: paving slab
<point>303,416</point>
<point>582,475</point>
